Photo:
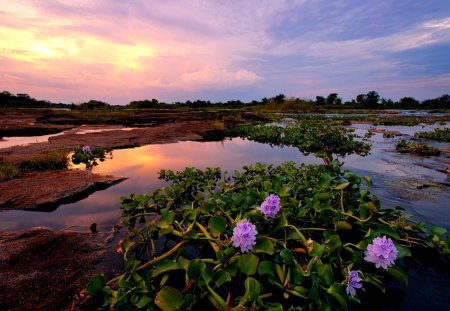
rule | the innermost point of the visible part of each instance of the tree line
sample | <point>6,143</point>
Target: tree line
<point>370,100</point>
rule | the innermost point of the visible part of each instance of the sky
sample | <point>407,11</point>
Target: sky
<point>119,51</point>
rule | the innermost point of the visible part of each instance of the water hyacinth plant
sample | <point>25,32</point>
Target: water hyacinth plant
<point>206,242</point>
<point>89,156</point>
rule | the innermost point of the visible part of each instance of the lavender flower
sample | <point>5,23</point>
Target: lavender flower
<point>381,252</point>
<point>244,235</point>
<point>353,282</point>
<point>86,149</point>
<point>270,206</point>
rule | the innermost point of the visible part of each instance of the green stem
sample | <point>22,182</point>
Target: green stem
<point>151,262</point>
<point>304,241</point>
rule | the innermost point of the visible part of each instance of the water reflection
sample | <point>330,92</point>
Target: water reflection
<point>396,178</point>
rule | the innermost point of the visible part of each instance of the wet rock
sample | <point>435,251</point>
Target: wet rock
<point>48,190</point>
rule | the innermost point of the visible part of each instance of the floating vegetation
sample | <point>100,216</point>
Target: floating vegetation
<point>403,146</point>
<point>324,138</point>
<point>438,135</point>
<point>266,238</point>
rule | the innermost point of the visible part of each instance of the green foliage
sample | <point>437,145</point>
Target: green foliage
<point>89,158</point>
<point>54,159</point>
<point>437,134</point>
<point>179,255</point>
<point>323,138</point>
<point>403,146</point>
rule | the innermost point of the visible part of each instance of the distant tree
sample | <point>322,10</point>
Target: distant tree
<point>320,100</point>
<point>333,99</point>
<point>279,99</point>
<point>442,101</point>
<point>408,102</point>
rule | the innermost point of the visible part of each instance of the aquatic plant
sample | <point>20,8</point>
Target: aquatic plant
<point>89,156</point>
<point>438,135</point>
<point>204,242</point>
<point>404,146</point>
<point>324,138</point>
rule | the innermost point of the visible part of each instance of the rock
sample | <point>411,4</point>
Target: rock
<point>49,189</point>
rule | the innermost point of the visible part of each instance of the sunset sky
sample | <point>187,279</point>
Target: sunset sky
<point>118,51</point>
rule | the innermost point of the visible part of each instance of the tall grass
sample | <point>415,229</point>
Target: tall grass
<point>54,159</point>
<point>8,171</point>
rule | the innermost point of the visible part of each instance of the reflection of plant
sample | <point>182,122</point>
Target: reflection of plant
<point>421,149</point>
<point>203,242</point>
<point>88,155</point>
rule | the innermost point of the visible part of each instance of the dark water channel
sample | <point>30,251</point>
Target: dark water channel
<point>419,184</point>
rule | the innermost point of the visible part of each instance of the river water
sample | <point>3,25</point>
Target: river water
<point>419,184</point>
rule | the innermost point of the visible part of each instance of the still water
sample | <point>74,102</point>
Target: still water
<point>415,183</point>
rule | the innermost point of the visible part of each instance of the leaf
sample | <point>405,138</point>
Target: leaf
<point>263,245</point>
<point>217,225</point>
<point>221,277</point>
<point>399,274</point>
<point>339,294</point>
<point>325,274</point>
<point>164,266</point>
<point>248,263</point>
<point>284,192</point>
<point>267,268</point>
<point>342,186</point>
<point>403,251</point>
<point>252,289</point>
<point>196,269</point>
<point>288,257</point>
<point>343,225</point>
<point>96,285</point>
<point>143,302</point>
<point>438,230</point>
<point>169,298</point>
<point>317,250</point>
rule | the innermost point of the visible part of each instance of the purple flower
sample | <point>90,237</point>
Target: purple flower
<point>244,235</point>
<point>86,149</point>
<point>353,282</point>
<point>270,206</point>
<point>381,252</point>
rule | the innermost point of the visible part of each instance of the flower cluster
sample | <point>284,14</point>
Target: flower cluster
<point>86,149</point>
<point>353,282</point>
<point>244,235</point>
<point>382,252</point>
<point>270,206</point>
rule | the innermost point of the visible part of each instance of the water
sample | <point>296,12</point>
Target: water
<point>397,179</point>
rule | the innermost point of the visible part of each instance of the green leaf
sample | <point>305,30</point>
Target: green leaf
<point>143,301</point>
<point>317,250</point>
<point>339,294</point>
<point>325,274</point>
<point>284,192</point>
<point>217,225</point>
<point>288,257</point>
<point>169,298</point>
<point>267,268</point>
<point>196,269</point>
<point>342,186</point>
<point>274,306</point>
<point>398,273</point>
<point>438,230</point>
<point>96,285</point>
<point>252,289</point>
<point>248,263</point>
<point>403,251</point>
<point>221,277</point>
<point>263,245</point>
<point>164,266</point>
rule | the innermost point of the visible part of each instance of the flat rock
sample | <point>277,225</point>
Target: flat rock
<point>45,270</point>
<point>49,189</point>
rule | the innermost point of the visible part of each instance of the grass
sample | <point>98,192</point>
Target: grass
<point>54,159</point>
